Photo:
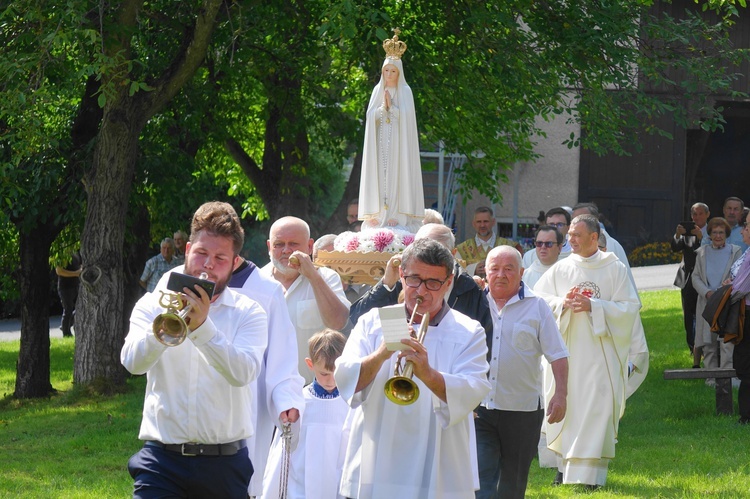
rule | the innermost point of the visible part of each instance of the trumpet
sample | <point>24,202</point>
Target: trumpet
<point>170,327</point>
<point>401,389</point>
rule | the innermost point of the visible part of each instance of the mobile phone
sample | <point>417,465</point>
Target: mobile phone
<point>179,281</point>
<point>689,225</point>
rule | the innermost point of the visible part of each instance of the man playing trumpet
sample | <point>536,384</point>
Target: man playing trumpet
<point>422,449</point>
<point>198,409</point>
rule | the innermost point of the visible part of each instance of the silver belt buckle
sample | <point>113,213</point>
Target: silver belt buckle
<point>182,450</point>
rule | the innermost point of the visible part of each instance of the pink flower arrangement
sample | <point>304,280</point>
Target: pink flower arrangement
<point>380,239</point>
<point>352,244</point>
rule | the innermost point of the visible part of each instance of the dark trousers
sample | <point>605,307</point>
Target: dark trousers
<point>689,303</point>
<point>68,297</point>
<point>506,444</point>
<point>159,473</point>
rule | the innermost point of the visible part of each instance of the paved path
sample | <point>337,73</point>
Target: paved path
<point>646,278</point>
<point>11,329</point>
<point>655,277</point>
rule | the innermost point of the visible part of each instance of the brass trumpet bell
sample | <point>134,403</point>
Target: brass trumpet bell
<point>170,327</point>
<point>400,388</point>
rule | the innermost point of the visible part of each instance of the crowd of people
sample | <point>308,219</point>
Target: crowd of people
<point>714,254</point>
<point>526,355</point>
<point>533,355</point>
<point>442,380</point>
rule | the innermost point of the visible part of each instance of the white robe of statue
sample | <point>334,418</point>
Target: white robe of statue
<point>391,185</point>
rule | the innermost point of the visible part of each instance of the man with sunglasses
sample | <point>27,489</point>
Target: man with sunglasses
<point>548,243</point>
<point>423,449</point>
<point>559,219</point>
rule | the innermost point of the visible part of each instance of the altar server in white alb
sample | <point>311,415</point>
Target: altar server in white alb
<point>312,468</point>
<point>596,306</point>
<point>423,449</point>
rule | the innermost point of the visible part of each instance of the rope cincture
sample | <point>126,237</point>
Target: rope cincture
<point>286,451</point>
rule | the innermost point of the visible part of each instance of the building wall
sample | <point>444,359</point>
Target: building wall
<point>549,182</point>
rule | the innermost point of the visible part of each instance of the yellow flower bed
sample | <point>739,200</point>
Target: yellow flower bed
<point>653,254</point>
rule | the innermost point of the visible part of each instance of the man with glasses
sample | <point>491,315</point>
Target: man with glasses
<point>559,218</point>
<point>688,242</point>
<point>548,242</point>
<point>423,449</point>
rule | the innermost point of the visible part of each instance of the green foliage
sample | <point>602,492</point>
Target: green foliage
<point>9,260</point>
<point>659,253</point>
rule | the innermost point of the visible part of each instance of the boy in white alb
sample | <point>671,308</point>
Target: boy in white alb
<point>320,429</point>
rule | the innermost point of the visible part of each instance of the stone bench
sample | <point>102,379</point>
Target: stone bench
<point>724,403</point>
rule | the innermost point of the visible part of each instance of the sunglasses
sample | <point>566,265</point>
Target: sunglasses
<point>546,244</point>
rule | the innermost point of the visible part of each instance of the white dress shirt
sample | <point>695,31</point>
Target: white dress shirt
<point>199,390</point>
<point>523,331</point>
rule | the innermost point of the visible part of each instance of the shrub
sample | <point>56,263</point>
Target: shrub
<point>653,254</point>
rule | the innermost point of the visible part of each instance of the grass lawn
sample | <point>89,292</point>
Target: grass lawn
<point>671,443</point>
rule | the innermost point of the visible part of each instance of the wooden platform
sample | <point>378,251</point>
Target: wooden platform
<point>723,377</point>
<point>355,267</point>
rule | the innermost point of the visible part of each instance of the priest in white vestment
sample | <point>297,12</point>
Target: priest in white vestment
<point>596,306</point>
<point>423,449</point>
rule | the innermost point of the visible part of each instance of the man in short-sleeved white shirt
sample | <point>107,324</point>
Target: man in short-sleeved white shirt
<point>509,419</point>
<point>315,297</point>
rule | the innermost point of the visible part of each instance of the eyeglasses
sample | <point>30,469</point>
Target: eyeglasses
<point>546,244</point>
<point>558,224</point>
<point>431,284</point>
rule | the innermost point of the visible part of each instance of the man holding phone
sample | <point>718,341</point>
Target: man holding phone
<point>198,411</point>
<point>687,238</point>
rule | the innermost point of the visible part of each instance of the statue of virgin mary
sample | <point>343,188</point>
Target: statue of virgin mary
<point>390,191</point>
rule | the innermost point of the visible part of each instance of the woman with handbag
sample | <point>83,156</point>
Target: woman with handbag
<point>712,266</point>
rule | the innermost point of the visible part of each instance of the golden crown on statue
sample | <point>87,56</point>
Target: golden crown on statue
<point>394,48</point>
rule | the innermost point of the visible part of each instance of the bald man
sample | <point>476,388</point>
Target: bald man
<point>314,296</point>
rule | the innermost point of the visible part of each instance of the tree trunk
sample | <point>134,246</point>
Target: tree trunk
<point>32,368</point>
<point>100,315</point>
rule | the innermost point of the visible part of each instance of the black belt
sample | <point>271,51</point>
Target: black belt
<point>193,449</point>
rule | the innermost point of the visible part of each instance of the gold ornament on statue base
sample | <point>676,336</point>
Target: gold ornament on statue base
<point>355,267</point>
